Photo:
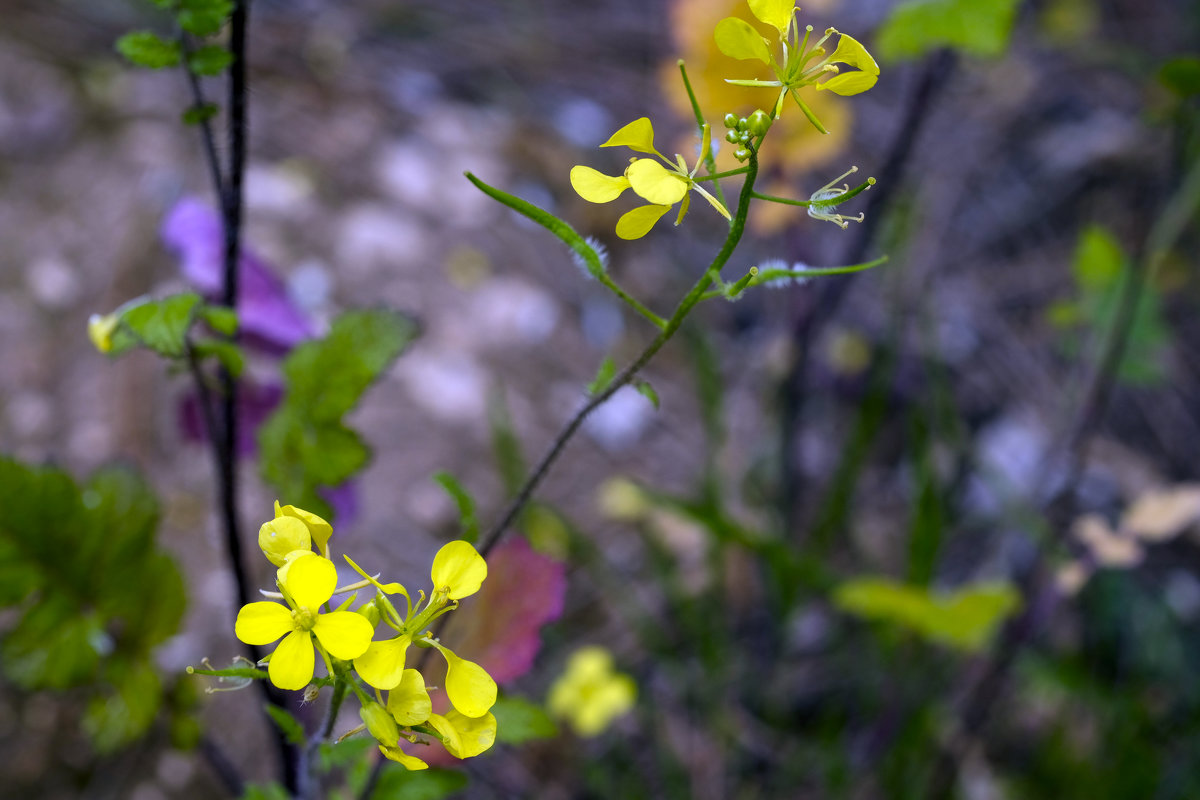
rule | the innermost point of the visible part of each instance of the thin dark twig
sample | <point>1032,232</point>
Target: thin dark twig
<point>207,138</point>
<point>1036,587</point>
<point>222,767</point>
<point>830,294</point>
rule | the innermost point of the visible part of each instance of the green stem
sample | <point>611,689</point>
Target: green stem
<point>571,239</point>
<point>836,200</point>
<point>710,162</point>
<point>716,175</point>
<point>737,227</point>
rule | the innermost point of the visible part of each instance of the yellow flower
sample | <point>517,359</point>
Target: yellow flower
<point>409,702</point>
<point>800,64</point>
<point>281,536</point>
<point>662,186</point>
<point>101,328</point>
<point>318,528</point>
<point>590,694</point>
<point>458,570</point>
<point>307,582</point>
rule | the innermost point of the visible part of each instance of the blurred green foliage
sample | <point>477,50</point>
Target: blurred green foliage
<point>917,27</point>
<point>89,594</point>
<point>305,445</point>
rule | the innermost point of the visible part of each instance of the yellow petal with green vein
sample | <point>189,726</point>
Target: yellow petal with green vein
<point>850,51</point>
<point>656,184</point>
<point>596,187</point>
<point>292,663</point>
<point>262,622</point>
<point>776,13</point>
<point>736,38</point>
<point>849,83</point>
<point>458,569</point>
<point>637,135</point>
<point>637,223</point>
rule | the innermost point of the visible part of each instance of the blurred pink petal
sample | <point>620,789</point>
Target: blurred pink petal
<point>500,627</point>
<point>193,231</point>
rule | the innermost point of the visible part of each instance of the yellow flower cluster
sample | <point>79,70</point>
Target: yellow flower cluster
<point>345,639</point>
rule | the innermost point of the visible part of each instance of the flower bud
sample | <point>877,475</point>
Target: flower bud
<point>758,123</point>
<point>380,723</point>
<point>731,120</point>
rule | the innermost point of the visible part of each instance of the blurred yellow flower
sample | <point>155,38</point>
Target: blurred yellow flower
<point>590,694</point>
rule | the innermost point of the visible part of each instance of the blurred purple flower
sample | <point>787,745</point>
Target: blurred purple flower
<point>267,315</point>
<point>255,402</point>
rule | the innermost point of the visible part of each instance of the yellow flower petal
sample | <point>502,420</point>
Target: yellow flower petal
<point>776,13</point>
<point>737,38</point>
<point>849,83</point>
<point>470,689</point>
<point>382,663</point>
<point>292,663</point>
<point>637,223</point>
<point>596,187</point>
<point>448,732</point>
<point>310,580</point>
<point>409,702</point>
<point>458,569</point>
<point>262,623</point>
<point>656,184</point>
<point>344,634</point>
<point>318,527</point>
<point>475,734</point>
<point>278,537</point>
<point>401,757</point>
<point>637,135</point>
<point>850,51</point>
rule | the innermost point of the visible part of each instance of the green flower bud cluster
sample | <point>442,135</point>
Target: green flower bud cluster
<point>745,131</point>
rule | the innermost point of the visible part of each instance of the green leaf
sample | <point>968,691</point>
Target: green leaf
<point>198,114</point>
<point>1181,75</point>
<point>339,755</point>
<point>965,619</point>
<point>162,325</point>
<point>398,783</point>
<point>604,376</point>
<point>204,17</point>
<point>518,720</point>
<point>465,502</point>
<point>124,710</point>
<point>643,386</point>
<point>210,60</point>
<point>97,594</point>
<point>228,353</point>
<point>291,728</point>
<point>148,49</point>
<point>265,791</point>
<point>221,319</point>
<point>304,445</point>
<point>1098,259</point>
<point>917,27</point>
